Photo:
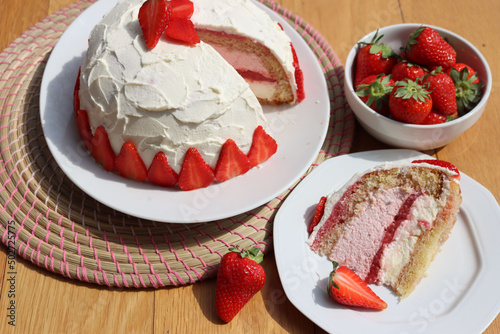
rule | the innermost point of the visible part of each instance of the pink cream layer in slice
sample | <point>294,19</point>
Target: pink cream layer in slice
<point>378,240</point>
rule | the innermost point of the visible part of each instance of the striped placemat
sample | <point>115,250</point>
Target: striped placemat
<point>48,221</point>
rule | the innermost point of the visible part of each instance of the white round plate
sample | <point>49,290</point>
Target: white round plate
<point>299,130</point>
<point>461,293</point>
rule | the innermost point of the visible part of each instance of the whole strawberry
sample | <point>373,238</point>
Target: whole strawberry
<point>434,118</point>
<point>468,89</point>
<point>374,90</point>
<point>409,102</point>
<point>426,47</point>
<point>442,90</point>
<point>373,58</point>
<point>406,70</point>
<point>239,278</point>
<point>347,288</point>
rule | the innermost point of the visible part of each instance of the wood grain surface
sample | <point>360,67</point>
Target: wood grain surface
<point>50,303</point>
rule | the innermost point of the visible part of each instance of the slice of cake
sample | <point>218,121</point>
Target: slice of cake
<point>172,112</point>
<point>388,223</point>
<point>256,46</point>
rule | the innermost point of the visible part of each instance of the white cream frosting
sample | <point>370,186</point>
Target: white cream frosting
<point>166,99</point>
<point>244,18</point>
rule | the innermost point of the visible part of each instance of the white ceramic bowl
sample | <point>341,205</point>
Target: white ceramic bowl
<point>418,137</point>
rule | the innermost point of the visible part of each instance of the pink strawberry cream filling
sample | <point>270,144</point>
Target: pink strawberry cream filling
<point>378,240</point>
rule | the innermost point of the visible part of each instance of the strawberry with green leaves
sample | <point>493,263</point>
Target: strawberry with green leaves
<point>409,102</point>
<point>468,89</point>
<point>347,288</point>
<point>239,278</point>
<point>426,47</point>
<point>374,91</point>
<point>442,91</point>
<point>373,58</point>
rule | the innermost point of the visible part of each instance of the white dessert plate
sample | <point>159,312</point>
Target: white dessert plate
<point>299,130</point>
<point>461,293</point>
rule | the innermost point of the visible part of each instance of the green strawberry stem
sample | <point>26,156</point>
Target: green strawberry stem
<point>377,91</point>
<point>253,253</point>
<point>468,93</point>
<point>409,89</point>
<point>376,47</point>
<point>332,282</point>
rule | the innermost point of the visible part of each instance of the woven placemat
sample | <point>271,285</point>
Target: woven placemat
<point>50,222</point>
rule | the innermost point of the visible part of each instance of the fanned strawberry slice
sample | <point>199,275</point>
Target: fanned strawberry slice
<point>195,172</point>
<point>128,163</point>
<point>101,149</point>
<point>440,163</point>
<point>154,15</point>
<point>182,9</point>
<point>231,163</point>
<point>318,213</point>
<point>182,30</point>
<point>160,172</point>
<point>83,126</point>
<point>347,288</point>
<point>263,147</point>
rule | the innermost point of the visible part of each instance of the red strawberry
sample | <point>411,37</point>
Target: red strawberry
<point>373,58</point>
<point>442,90</point>
<point>83,126</point>
<point>406,70</point>
<point>434,118</point>
<point>374,90</point>
<point>318,213</point>
<point>440,163</point>
<point>345,287</point>
<point>160,172</point>
<point>299,75</point>
<point>263,147</point>
<point>468,89</point>
<point>409,102</point>
<point>129,164</point>
<point>182,9</point>
<point>101,149</point>
<point>154,15</point>
<point>76,97</point>
<point>195,172</point>
<point>239,278</point>
<point>426,47</point>
<point>232,162</point>
<point>182,30</point>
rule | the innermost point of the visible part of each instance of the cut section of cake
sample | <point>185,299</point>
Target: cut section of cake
<point>387,224</point>
<point>255,45</point>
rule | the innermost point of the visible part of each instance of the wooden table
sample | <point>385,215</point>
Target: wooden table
<point>50,303</point>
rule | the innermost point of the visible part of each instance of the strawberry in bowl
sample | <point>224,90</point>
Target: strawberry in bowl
<point>455,75</point>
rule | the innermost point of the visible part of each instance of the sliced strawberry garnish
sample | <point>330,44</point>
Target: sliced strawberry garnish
<point>154,15</point>
<point>182,9</point>
<point>347,288</point>
<point>76,97</point>
<point>263,147</point>
<point>232,162</point>
<point>299,76</point>
<point>129,164</point>
<point>195,172</point>
<point>83,125</point>
<point>160,172</point>
<point>440,163</point>
<point>182,30</point>
<point>318,214</point>
<point>101,149</point>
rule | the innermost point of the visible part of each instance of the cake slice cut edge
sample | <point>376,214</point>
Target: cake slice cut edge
<point>388,224</point>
